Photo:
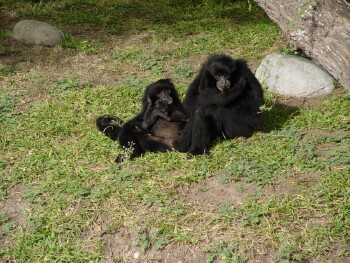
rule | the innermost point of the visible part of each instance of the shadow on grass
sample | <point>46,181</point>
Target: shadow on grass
<point>278,116</point>
<point>120,16</point>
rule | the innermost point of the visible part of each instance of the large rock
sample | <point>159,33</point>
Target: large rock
<point>37,32</point>
<point>293,76</point>
<point>320,28</point>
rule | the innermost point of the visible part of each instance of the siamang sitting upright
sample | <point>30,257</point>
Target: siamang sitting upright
<point>223,100</point>
<point>155,128</point>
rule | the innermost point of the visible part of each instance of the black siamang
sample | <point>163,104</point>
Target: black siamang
<point>155,128</point>
<point>223,100</point>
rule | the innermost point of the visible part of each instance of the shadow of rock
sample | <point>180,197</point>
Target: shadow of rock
<point>279,115</point>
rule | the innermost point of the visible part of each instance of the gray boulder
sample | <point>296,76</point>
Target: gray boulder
<point>37,32</point>
<point>293,76</point>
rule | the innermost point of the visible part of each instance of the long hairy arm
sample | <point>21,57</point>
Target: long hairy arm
<point>223,98</point>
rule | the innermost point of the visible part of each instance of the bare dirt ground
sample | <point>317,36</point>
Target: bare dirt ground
<point>17,209</point>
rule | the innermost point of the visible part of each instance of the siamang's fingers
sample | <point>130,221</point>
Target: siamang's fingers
<point>206,153</point>
<point>102,122</point>
<point>105,124</point>
<point>242,82</point>
<point>141,129</point>
<point>179,116</point>
<point>119,120</point>
<point>107,120</point>
<point>111,118</point>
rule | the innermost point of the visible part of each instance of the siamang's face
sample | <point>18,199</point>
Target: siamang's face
<point>222,82</point>
<point>221,74</point>
<point>164,96</point>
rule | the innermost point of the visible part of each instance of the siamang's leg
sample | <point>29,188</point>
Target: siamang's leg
<point>138,141</point>
<point>131,138</point>
<point>148,121</point>
<point>148,118</point>
<point>200,130</point>
<point>179,116</point>
<point>184,142</point>
<point>163,115</point>
<point>204,129</point>
<point>105,124</point>
<point>236,126</point>
<point>121,157</point>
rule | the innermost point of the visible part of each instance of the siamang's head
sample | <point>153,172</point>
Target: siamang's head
<point>221,71</point>
<point>161,90</point>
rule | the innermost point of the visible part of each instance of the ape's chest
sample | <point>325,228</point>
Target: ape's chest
<point>166,129</point>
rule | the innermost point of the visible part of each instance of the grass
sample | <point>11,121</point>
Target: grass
<point>292,178</point>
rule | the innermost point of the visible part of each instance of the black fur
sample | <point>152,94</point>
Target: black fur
<point>224,99</point>
<point>148,130</point>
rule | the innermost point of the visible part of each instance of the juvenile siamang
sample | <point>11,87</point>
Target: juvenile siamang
<point>223,100</point>
<point>155,128</point>
<point>157,109</point>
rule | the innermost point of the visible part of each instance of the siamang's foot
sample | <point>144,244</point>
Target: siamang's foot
<point>140,129</point>
<point>203,155</point>
<point>196,151</point>
<point>108,125</point>
<point>122,157</point>
<point>108,120</point>
<point>103,122</point>
<point>119,158</point>
<point>206,153</point>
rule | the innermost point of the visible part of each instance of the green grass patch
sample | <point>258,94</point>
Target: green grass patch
<point>70,42</point>
<point>333,115</point>
<point>224,252</point>
<point>7,106</point>
<point>7,70</point>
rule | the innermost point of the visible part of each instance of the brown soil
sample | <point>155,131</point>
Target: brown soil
<point>212,193</point>
<point>16,209</point>
<point>121,248</point>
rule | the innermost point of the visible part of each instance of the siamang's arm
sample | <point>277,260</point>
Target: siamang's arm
<point>148,109</point>
<point>161,114</point>
<point>190,100</point>
<point>148,117</point>
<point>178,115</point>
<point>151,115</point>
<point>223,98</point>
